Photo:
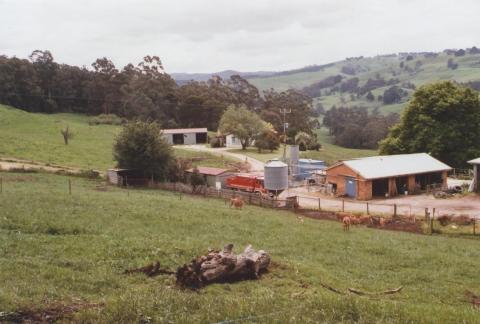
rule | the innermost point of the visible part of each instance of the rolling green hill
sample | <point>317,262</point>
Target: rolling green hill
<point>417,69</point>
<point>36,137</point>
<point>65,249</point>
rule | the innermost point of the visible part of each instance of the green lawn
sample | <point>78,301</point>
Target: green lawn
<point>330,153</point>
<point>36,137</point>
<point>61,248</point>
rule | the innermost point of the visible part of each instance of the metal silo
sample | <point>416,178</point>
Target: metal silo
<point>276,176</point>
<point>294,159</point>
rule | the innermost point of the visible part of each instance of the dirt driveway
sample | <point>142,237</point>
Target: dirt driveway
<point>256,165</point>
<point>406,205</point>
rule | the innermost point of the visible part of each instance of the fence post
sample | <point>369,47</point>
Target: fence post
<point>319,205</point>
<point>474,219</point>
<point>368,210</point>
<point>1,185</point>
<point>394,210</point>
<point>343,205</point>
<point>70,186</point>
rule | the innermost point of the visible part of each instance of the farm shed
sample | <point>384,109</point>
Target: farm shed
<point>214,177</point>
<point>231,141</point>
<point>187,136</point>
<point>124,177</point>
<point>476,174</point>
<point>388,175</point>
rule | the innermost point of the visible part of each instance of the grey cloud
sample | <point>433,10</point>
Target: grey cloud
<point>210,35</point>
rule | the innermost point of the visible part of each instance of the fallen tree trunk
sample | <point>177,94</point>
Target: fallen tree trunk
<point>223,266</point>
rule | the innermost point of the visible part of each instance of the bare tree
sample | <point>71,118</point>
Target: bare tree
<point>67,134</point>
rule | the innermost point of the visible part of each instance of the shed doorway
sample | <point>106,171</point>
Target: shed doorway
<point>401,184</point>
<point>201,138</point>
<point>379,187</point>
<point>178,139</point>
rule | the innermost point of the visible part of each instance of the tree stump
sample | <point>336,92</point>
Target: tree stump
<point>223,266</point>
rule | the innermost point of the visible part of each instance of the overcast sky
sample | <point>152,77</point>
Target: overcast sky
<point>245,35</point>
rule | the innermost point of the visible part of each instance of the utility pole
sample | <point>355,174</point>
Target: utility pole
<point>284,111</point>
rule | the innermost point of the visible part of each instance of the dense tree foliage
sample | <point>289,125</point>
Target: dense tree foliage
<point>143,91</point>
<point>140,145</point>
<point>267,139</point>
<point>356,128</point>
<point>442,119</point>
<point>243,123</point>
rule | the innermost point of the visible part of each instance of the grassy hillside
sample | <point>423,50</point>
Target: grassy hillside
<point>36,137</point>
<point>58,248</point>
<point>418,70</point>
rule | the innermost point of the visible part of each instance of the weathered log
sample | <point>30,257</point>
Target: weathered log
<point>223,266</point>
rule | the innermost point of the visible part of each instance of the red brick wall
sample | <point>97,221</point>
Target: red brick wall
<point>337,176</point>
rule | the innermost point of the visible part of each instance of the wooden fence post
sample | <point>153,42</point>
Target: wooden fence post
<point>1,185</point>
<point>474,219</point>
<point>394,210</point>
<point>343,205</point>
<point>319,205</point>
<point>70,186</point>
<point>368,210</point>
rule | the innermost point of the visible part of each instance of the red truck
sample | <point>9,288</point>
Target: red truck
<point>247,182</point>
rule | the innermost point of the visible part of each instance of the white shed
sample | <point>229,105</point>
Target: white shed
<point>185,136</point>
<point>476,175</point>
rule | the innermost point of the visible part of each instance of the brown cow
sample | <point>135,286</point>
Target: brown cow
<point>365,220</point>
<point>236,202</point>
<point>346,223</point>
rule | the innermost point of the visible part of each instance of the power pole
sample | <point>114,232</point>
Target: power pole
<point>284,111</point>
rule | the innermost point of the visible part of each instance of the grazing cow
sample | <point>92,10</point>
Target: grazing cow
<point>346,223</point>
<point>236,202</point>
<point>365,220</point>
<point>384,221</point>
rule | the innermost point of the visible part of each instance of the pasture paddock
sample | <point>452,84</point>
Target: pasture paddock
<point>61,248</point>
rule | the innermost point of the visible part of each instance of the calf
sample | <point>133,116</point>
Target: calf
<point>236,202</point>
<point>346,223</point>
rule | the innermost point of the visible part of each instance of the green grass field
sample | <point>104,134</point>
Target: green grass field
<point>57,248</point>
<point>36,137</point>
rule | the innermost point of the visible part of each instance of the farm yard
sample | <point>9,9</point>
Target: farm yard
<point>61,249</point>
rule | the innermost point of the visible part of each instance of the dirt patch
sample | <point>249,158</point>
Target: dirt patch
<point>318,214</point>
<point>151,270</point>
<point>399,225</point>
<point>48,314</point>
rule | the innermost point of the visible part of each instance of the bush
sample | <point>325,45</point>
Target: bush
<point>314,146</point>
<point>141,146</point>
<point>216,142</point>
<point>107,119</point>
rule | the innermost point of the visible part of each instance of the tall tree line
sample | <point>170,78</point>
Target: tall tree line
<point>143,91</point>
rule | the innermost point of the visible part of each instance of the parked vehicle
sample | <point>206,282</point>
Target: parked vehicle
<point>247,182</point>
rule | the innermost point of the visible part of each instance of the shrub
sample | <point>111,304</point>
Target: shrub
<point>216,142</point>
<point>107,119</point>
<point>141,146</point>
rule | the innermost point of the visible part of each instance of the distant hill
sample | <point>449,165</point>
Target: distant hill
<point>362,81</point>
<point>182,78</point>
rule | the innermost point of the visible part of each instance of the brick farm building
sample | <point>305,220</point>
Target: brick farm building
<point>386,176</point>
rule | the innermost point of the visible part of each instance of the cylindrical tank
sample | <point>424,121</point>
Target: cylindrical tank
<point>294,153</point>
<point>276,175</point>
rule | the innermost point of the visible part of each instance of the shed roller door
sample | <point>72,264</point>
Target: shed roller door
<point>350,187</point>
